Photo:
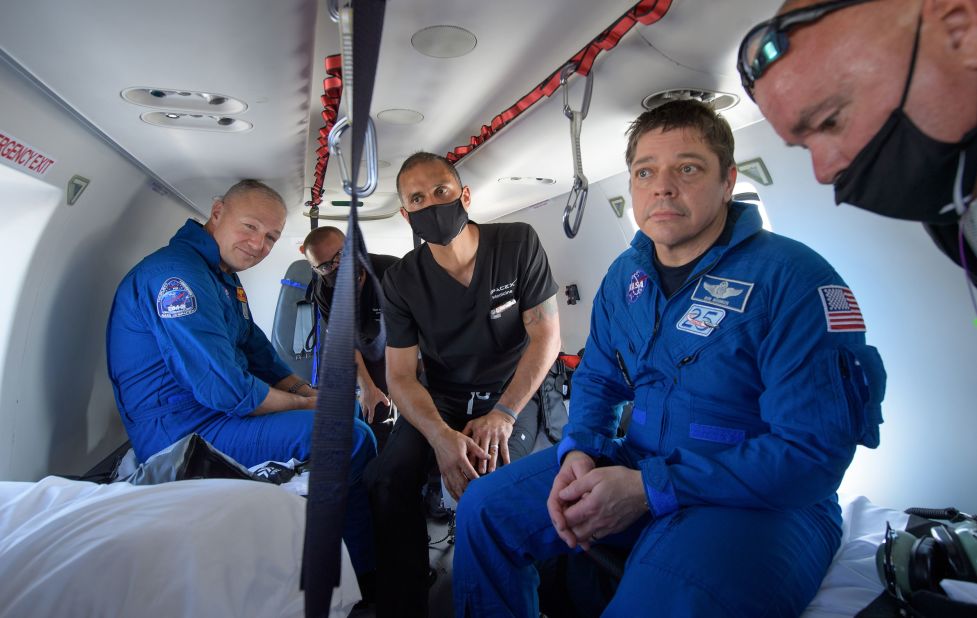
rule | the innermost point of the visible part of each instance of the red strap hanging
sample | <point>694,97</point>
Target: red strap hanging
<point>645,12</point>
<point>332,88</point>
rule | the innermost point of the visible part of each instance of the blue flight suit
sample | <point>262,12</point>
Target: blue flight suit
<point>185,356</point>
<point>752,386</point>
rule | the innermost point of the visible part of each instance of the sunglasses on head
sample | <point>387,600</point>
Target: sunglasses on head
<point>767,42</point>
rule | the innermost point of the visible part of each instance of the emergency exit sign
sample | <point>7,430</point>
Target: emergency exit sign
<point>22,156</point>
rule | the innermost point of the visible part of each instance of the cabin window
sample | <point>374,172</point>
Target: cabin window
<point>747,192</point>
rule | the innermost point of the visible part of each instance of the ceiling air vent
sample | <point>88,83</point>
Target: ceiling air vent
<point>198,122</point>
<point>718,101</point>
<point>184,101</point>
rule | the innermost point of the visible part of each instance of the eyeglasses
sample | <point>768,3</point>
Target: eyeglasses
<point>767,42</point>
<point>329,265</point>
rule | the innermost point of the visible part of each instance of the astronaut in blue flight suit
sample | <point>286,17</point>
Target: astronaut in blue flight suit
<point>185,356</point>
<point>745,357</point>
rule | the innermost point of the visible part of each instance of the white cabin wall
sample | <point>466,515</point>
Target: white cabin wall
<point>57,411</point>
<point>919,317</point>
<point>583,260</point>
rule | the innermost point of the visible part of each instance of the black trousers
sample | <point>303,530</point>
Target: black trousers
<point>395,480</point>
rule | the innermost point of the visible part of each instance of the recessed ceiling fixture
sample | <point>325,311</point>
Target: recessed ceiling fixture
<point>197,122</point>
<point>718,101</point>
<point>526,180</point>
<point>400,116</point>
<point>443,41</point>
<point>184,101</point>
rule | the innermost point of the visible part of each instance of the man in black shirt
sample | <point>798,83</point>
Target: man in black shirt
<point>479,303</point>
<point>323,248</point>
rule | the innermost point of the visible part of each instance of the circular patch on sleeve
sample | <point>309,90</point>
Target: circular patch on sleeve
<point>175,299</point>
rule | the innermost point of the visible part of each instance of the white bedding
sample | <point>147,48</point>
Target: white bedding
<point>233,548</point>
<point>852,581</point>
<point>190,548</point>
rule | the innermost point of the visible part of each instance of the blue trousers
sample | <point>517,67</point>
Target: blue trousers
<point>251,440</point>
<point>698,561</point>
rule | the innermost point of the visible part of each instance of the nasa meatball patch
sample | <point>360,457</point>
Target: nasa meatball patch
<point>175,299</point>
<point>637,285</point>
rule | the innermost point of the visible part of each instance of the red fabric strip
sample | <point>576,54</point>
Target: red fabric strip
<point>645,12</point>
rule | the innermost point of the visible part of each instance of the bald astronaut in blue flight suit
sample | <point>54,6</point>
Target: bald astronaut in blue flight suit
<point>745,357</point>
<point>185,356</point>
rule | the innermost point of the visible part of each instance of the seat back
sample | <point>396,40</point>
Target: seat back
<point>294,320</point>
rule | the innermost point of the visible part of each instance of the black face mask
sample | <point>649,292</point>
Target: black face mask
<point>439,224</point>
<point>905,174</point>
<point>330,279</point>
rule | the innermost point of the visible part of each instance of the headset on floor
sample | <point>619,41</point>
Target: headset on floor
<point>908,564</point>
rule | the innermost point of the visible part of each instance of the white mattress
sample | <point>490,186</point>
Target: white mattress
<point>852,581</point>
<point>190,548</point>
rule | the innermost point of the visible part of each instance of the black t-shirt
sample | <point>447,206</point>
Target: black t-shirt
<point>370,305</point>
<point>463,346</point>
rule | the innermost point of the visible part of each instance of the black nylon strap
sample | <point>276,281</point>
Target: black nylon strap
<point>333,426</point>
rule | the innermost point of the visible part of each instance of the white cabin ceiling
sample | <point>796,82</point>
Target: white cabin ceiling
<point>270,55</point>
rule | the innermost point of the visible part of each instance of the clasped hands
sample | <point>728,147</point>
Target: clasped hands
<point>475,450</point>
<point>588,503</point>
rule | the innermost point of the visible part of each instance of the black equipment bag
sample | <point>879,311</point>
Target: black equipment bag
<point>191,457</point>
<point>547,402</point>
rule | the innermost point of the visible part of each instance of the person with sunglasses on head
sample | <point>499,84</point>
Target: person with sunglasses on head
<point>883,93</point>
<point>323,248</point>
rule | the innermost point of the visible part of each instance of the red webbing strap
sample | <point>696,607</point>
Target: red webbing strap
<point>332,92</point>
<point>645,12</point>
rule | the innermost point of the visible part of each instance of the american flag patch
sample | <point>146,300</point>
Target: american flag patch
<point>841,309</point>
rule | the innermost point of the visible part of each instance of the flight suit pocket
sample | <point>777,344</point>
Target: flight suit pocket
<point>853,379</point>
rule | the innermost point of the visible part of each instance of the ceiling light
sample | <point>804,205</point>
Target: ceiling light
<point>400,116</point>
<point>443,41</point>
<point>526,180</point>
<point>718,101</point>
<point>184,101</point>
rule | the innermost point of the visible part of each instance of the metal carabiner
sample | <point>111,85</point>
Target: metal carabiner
<point>370,157</point>
<point>576,201</point>
<point>565,74</point>
<point>578,195</point>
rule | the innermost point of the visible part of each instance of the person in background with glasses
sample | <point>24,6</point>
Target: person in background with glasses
<point>323,248</point>
<point>884,96</point>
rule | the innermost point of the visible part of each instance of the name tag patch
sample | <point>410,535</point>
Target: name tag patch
<point>726,293</point>
<point>175,299</point>
<point>701,320</point>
